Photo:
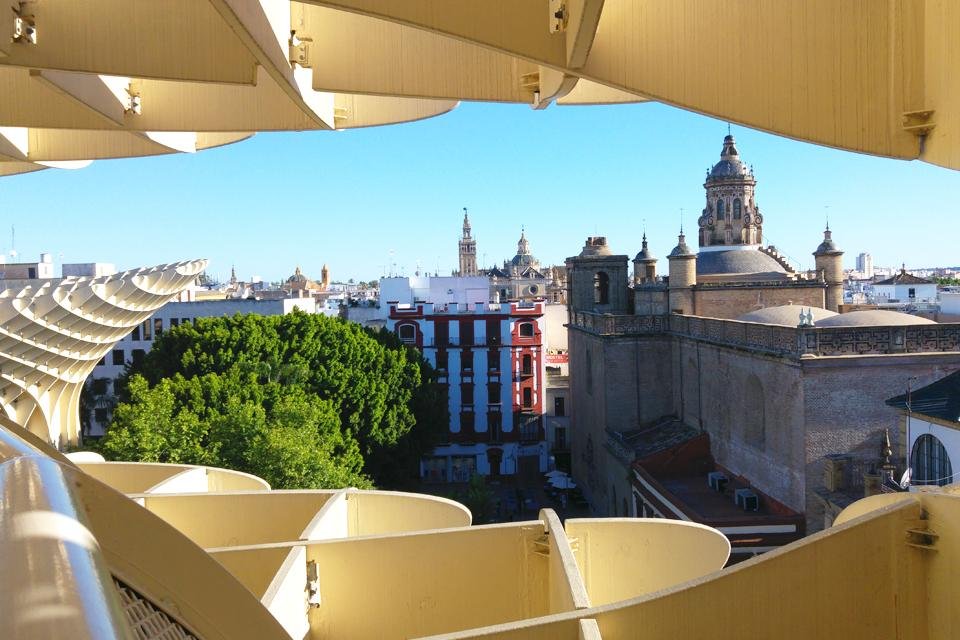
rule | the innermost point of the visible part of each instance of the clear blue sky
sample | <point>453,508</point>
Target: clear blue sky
<point>350,198</point>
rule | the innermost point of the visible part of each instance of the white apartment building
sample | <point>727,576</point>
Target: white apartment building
<point>904,287</point>
<point>492,359</point>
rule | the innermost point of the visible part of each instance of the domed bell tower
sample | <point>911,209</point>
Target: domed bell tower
<point>731,216</point>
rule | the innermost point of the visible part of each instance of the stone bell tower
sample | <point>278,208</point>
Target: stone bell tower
<point>597,279</point>
<point>731,216</point>
<point>468,249</point>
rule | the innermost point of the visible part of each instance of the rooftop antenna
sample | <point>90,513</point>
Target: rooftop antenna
<point>728,129</point>
<point>13,241</point>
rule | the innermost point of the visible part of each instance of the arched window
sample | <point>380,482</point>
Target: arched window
<point>720,213</point>
<point>736,209</point>
<point>930,462</point>
<point>526,330</point>
<point>407,333</point>
<point>601,288</point>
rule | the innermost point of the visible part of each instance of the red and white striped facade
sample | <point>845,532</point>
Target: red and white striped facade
<point>492,358</point>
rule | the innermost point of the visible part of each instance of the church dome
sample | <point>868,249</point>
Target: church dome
<point>523,258</point>
<point>297,276</point>
<point>872,318</point>
<point>787,315</point>
<point>737,261</point>
<point>730,165</point>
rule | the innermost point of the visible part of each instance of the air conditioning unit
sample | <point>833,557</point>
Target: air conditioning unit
<point>747,499</point>
<point>717,481</point>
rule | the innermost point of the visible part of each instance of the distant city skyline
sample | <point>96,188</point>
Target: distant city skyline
<point>361,201</point>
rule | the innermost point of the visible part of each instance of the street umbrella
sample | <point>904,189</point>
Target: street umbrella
<point>563,483</point>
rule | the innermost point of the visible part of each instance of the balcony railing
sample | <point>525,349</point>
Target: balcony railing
<point>792,342</point>
<point>530,433</point>
<point>460,341</point>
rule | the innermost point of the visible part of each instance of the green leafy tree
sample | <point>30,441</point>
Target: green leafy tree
<point>304,447</point>
<point>301,400</point>
<point>156,428</point>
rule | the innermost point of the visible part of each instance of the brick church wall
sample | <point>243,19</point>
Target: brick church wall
<point>717,386</point>
<point>733,302</point>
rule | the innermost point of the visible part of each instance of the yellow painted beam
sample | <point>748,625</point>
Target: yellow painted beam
<point>840,73</point>
<point>941,81</point>
<point>592,93</point>
<point>173,39</point>
<point>519,29</point>
<point>818,70</point>
<point>262,26</point>
<point>350,53</point>
<point>17,168</point>
<point>57,144</point>
<point>582,17</point>
<point>354,111</point>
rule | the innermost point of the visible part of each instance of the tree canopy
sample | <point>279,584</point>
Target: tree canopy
<point>302,400</point>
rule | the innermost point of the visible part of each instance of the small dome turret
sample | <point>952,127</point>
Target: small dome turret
<point>827,247</point>
<point>681,250</point>
<point>645,255</point>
